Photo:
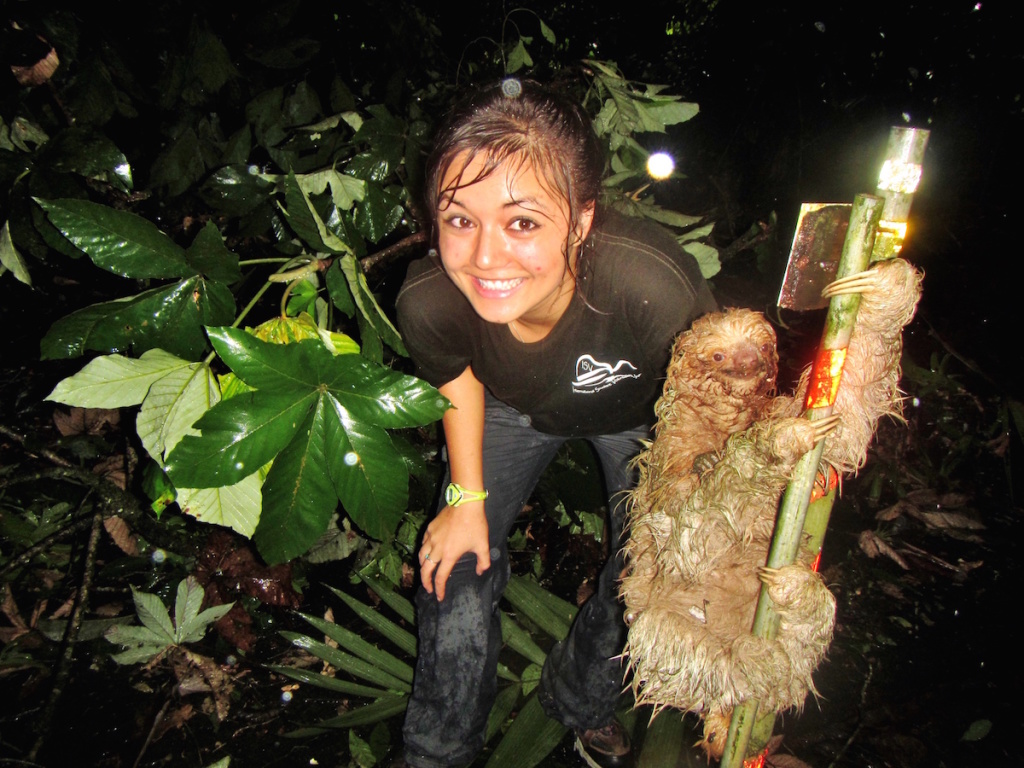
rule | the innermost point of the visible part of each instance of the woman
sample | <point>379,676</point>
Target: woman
<point>540,319</point>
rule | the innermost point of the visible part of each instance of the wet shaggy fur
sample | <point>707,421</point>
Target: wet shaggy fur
<point>720,379</point>
<point>695,569</point>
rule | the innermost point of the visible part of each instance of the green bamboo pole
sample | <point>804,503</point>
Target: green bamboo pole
<point>897,183</point>
<point>789,525</point>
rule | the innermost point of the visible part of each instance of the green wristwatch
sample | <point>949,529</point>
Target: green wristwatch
<point>454,495</point>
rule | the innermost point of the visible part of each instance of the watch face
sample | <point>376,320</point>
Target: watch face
<point>451,495</point>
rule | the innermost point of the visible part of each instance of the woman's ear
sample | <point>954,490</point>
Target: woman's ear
<point>586,221</point>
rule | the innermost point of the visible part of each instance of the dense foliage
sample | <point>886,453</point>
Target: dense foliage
<point>205,212</point>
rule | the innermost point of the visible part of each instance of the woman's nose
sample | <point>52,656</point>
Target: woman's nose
<point>489,250</point>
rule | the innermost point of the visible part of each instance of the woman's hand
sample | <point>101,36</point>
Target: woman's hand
<point>450,535</point>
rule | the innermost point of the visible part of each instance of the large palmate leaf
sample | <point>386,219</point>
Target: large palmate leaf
<point>322,420</point>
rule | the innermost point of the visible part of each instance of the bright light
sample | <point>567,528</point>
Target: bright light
<point>660,165</point>
<point>899,176</point>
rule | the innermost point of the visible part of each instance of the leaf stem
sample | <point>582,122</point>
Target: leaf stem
<point>276,260</point>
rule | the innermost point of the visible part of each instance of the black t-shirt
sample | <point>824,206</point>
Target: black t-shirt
<point>601,368</point>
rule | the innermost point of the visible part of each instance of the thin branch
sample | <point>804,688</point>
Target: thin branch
<point>63,671</point>
<point>405,244</point>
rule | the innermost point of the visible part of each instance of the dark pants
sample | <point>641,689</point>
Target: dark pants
<point>459,638</point>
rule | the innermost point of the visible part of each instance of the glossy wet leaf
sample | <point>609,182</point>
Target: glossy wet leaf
<point>368,307</point>
<point>378,214</point>
<point>117,241</point>
<point>211,258</point>
<point>301,216</point>
<point>88,153</point>
<point>236,189</point>
<point>238,437</point>
<point>322,419</point>
<point>171,317</point>
<point>298,497</point>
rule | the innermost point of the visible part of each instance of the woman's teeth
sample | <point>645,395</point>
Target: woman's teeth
<point>499,285</point>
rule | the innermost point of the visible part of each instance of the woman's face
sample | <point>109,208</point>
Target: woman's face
<point>501,241</point>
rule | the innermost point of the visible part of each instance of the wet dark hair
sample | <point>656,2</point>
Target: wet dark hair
<point>530,124</point>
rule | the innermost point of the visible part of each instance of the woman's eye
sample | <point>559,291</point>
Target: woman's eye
<point>458,222</point>
<point>523,225</point>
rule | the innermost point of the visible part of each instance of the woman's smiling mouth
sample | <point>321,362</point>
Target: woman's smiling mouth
<point>499,285</point>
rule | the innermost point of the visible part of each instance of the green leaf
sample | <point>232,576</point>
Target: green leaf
<point>153,615</point>
<point>547,33</point>
<point>346,191</point>
<point>368,306</point>
<point>519,640</point>
<point>406,641</point>
<point>131,635</point>
<point>518,58</point>
<point>706,256</point>
<point>114,381</point>
<point>531,737</point>
<point>501,711</point>
<point>696,233</point>
<point>211,258</point>
<point>382,709</point>
<point>239,436</point>
<point>400,605</point>
<point>360,751</point>
<point>327,682</point>
<point>11,259</point>
<point>378,214</point>
<point>235,506</point>
<point>180,165</point>
<point>188,601</point>
<point>117,241</point>
<point>298,498</point>
<point>977,730</point>
<point>171,317</point>
<point>236,189</point>
<point>198,627</point>
<point>549,612</point>
<point>369,475</point>
<point>301,215</point>
<point>354,643</point>
<point>369,392</point>
<point>673,112</point>
<point>172,405</point>
<point>88,153</point>
<point>376,670</point>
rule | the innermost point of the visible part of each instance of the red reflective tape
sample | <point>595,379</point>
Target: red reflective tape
<point>825,376</point>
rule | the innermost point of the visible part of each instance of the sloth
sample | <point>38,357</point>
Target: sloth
<point>721,377</point>
<point>703,528</point>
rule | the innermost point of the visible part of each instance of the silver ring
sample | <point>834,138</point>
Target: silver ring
<point>426,557</point>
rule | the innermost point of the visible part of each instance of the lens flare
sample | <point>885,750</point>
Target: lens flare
<point>660,165</point>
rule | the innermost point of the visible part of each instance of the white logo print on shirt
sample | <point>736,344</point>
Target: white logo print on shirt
<point>593,376</point>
